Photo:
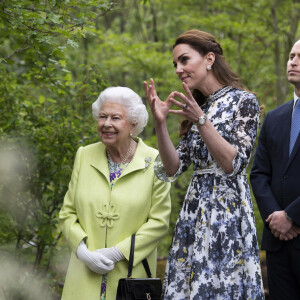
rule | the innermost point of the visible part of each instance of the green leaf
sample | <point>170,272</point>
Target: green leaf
<point>41,99</point>
<point>54,18</point>
<point>51,100</point>
<point>72,43</point>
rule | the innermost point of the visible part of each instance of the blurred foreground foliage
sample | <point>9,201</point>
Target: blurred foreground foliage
<point>56,56</point>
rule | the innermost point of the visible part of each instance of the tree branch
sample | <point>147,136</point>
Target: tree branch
<point>15,52</point>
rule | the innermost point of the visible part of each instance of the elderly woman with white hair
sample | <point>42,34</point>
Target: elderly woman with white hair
<point>113,193</point>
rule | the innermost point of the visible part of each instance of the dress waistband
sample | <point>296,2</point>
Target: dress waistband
<point>215,171</point>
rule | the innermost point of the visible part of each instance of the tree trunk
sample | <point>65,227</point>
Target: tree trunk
<point>154,21</point>
<point>277,60</point>
<point>291,38</point>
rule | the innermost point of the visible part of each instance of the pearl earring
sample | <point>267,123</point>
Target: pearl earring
<point>208,68</point>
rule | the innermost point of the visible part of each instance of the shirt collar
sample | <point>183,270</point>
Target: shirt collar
<point>295,99</point>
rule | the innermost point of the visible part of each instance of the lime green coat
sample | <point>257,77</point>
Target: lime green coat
<point>138,203</point>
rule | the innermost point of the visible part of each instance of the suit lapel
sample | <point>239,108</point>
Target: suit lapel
<point>288,135</point>
<point>295,150</point>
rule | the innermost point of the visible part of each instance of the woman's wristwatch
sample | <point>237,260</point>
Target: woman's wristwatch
<point>201,120</point>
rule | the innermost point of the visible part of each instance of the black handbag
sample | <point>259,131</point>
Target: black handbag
<point>138,288</point>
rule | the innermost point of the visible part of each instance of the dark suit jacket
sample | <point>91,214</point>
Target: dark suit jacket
<point>275,177</point>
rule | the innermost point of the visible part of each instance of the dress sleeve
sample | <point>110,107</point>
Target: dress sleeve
<point>184,162</point>
<point>244,131</point>
<point>68,218</point>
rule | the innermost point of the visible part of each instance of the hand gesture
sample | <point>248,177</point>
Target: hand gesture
<point>159,108</point>
<point>189,107</point>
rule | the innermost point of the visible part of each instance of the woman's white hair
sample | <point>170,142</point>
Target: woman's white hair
<point>131,102</point>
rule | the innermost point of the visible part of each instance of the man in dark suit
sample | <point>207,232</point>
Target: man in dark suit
<point>275,180</point>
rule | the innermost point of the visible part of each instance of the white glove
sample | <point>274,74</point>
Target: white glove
<point>95,261</point>
<point>112,253</point>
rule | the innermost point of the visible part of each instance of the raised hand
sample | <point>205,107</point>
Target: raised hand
<point>160,109</point>
<point>189,108</point>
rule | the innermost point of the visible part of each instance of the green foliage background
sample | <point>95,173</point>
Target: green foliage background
<point>56,57</point>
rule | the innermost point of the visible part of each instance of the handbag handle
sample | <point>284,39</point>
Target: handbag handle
<point>131,258</point>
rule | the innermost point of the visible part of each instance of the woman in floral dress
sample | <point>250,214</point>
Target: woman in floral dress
<point>214,252</point>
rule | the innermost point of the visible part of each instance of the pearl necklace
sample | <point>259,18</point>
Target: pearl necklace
<point>126,155</point>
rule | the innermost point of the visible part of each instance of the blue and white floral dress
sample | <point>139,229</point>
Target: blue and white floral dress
<point>214,252</point>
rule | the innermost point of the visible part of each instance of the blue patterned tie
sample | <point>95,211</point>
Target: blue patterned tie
<point>295,128</point>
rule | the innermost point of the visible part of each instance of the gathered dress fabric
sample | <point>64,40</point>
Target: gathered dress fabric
<point>106,217</point>
<point>214,252</point>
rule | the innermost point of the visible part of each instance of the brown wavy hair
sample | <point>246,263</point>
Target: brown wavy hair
<point>204,43</point>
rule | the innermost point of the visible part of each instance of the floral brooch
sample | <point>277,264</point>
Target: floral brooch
<point>147,163</point>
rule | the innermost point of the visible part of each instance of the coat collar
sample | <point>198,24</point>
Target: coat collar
<point>98,159</point>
